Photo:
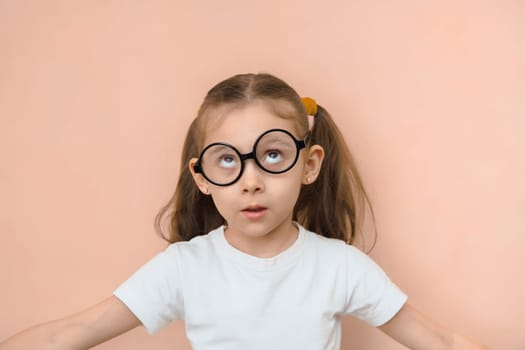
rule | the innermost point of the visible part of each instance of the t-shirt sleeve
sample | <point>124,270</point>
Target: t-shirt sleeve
<point>154,292</point>
<point>371,295</point>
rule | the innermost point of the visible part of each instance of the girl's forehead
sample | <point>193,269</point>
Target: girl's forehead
<point>240,126</point>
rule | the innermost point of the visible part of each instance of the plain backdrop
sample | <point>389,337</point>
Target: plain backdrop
<point>96,97</point>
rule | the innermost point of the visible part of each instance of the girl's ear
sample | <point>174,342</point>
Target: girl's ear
<point>200,181</point>
<point>312,165</point>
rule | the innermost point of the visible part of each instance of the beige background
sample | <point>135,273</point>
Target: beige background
<point>95,98</point>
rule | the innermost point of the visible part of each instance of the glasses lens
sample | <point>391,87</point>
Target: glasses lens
<point>221,164</point>
<point>276,151</point>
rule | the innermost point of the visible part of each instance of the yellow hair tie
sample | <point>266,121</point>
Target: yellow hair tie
<point>310,105</point>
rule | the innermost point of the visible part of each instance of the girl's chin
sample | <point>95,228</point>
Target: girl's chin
<point>258,228</point>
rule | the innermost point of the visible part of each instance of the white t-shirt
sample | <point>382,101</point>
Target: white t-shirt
<point>232,300</point>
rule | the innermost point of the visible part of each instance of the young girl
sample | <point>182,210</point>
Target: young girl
<point>262,221</point>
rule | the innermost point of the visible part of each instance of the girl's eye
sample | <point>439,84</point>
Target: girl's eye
<point>273,156</point>
<point>227,161</point>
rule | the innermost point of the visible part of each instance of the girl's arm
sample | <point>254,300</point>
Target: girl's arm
<point>83,330</point>
<point>414,330</point>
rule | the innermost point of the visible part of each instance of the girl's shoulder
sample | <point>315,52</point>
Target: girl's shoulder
<point>333,247</point>
<point>334,253</point>
<point>328,241</point>
<point>198,245</point>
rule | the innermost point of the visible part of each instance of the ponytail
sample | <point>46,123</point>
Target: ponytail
<point>334,205</point>
<point>190,213</point>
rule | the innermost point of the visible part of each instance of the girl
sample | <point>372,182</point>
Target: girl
<point>262,221</point>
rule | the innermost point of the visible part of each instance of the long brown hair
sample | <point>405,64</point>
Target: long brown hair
<point>333,206</point>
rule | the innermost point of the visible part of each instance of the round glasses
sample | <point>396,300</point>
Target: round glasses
<point>275,151</point>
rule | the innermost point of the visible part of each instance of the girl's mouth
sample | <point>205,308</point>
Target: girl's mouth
<point>254,212</point>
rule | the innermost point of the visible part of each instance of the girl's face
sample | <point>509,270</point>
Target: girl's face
<point>259,205</point>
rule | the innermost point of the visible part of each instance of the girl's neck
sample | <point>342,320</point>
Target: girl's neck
<point>267,246</point>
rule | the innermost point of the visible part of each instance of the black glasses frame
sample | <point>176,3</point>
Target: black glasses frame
<point>299,144</point>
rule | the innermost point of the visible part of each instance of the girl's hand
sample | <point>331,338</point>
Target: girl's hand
<point>416,331</point>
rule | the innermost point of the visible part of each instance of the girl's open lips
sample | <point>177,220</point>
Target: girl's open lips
<point>254,212</point>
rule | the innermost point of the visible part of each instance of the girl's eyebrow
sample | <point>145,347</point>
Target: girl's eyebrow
<point>277,139</point>
<point>218,149</point>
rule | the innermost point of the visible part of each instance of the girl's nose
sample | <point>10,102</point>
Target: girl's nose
<point>252,178</point>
